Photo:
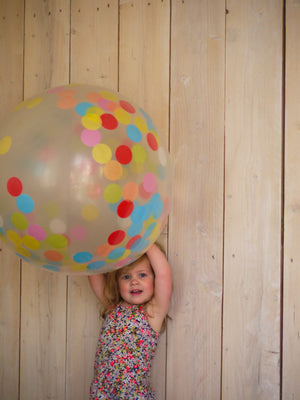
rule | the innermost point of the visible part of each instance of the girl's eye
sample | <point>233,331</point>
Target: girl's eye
<point>125,277</point>
<point>143,274</point>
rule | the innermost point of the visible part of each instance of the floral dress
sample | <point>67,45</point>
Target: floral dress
<point>125,350</point>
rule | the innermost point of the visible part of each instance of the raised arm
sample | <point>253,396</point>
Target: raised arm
<point>163,279</point>
<point>97,283</point>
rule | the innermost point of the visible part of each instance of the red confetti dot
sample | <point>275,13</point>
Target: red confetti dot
<point>116,237</point>
<point>152,142</point>
<point>123,154</point>
<point>125,208</point>
<point>127,106</point>
<point>109,121</point>
<point>14,186</point>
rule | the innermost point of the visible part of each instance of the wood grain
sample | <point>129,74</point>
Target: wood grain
<point>196,221</point>
<point>94,42</point>
<point>11,83</point>
<point>252,237</point>
<point>291,301</point>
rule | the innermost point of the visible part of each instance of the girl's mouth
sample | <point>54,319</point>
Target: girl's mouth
<point>135,292</point>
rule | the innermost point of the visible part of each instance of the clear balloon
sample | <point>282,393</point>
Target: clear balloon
<point>84,180</point>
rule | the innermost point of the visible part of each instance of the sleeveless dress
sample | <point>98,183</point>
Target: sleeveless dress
<point>125,350</point>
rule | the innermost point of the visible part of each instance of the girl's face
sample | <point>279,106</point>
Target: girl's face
<point>136,284</point>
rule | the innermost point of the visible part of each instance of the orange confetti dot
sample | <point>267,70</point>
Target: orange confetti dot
<point>66,102</point>
<point>113,170</point>
<point>130,191</point>
<point>104,250</point>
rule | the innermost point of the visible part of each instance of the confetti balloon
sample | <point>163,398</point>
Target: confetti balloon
<point>84,180</point>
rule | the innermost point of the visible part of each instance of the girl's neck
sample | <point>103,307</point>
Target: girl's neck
<point>125,304</point>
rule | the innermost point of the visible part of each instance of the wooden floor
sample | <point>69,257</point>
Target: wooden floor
<point>221,80</point>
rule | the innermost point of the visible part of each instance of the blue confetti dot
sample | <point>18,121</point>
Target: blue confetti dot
<point>96,265</point>
<point>138,214</point>
<point>25,203</point>
<point>135,229</point>
<point>51,267</point>
<point>149,229</point>
<point>22,257</point>
<point>82,257</point>
<point>134,133</point>
<point>116,253</point>
<point>140,245</point>
<point>82,108</point>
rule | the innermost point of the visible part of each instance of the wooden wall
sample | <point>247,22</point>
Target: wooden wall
<point>221,81</point>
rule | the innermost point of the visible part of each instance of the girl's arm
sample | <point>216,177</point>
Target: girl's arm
<point>163,280</point>
<point>97,283</point>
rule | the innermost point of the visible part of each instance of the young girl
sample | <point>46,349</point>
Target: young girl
<point>136,301</point>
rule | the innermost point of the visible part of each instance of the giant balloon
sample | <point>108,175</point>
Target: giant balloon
<point>84,180</point>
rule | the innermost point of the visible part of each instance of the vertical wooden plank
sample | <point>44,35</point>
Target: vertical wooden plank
<point>94,60</point>
<point>196,222</point>
<point>11,83</point>
<point>46,45</point>
<point>94,44</point>
<point>11,48</point>
<point>252,245</point>
<point>9,324</point>
<point>43,318</point>
<point>144,78</point>
<point>291,301</point>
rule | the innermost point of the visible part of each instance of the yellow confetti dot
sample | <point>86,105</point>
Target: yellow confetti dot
<point>109,95</point>
<point>122,116</point>
<point>19,221</point>
<point>91,121</point>
<point>149,222</point>
<point>101,153</point>
<point>95,110</point>
<point>31,242</point>
<point>22,252</point>
<point>112,193</point>
<point>141,124</point>
<point>5,144</point>
<point>34,102</point>
<point>13,237</point>
<point>78,267</point>
<point>155,233</point>
<point>138,154</point>
<point>89,212</point>
<point>57,241</point>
